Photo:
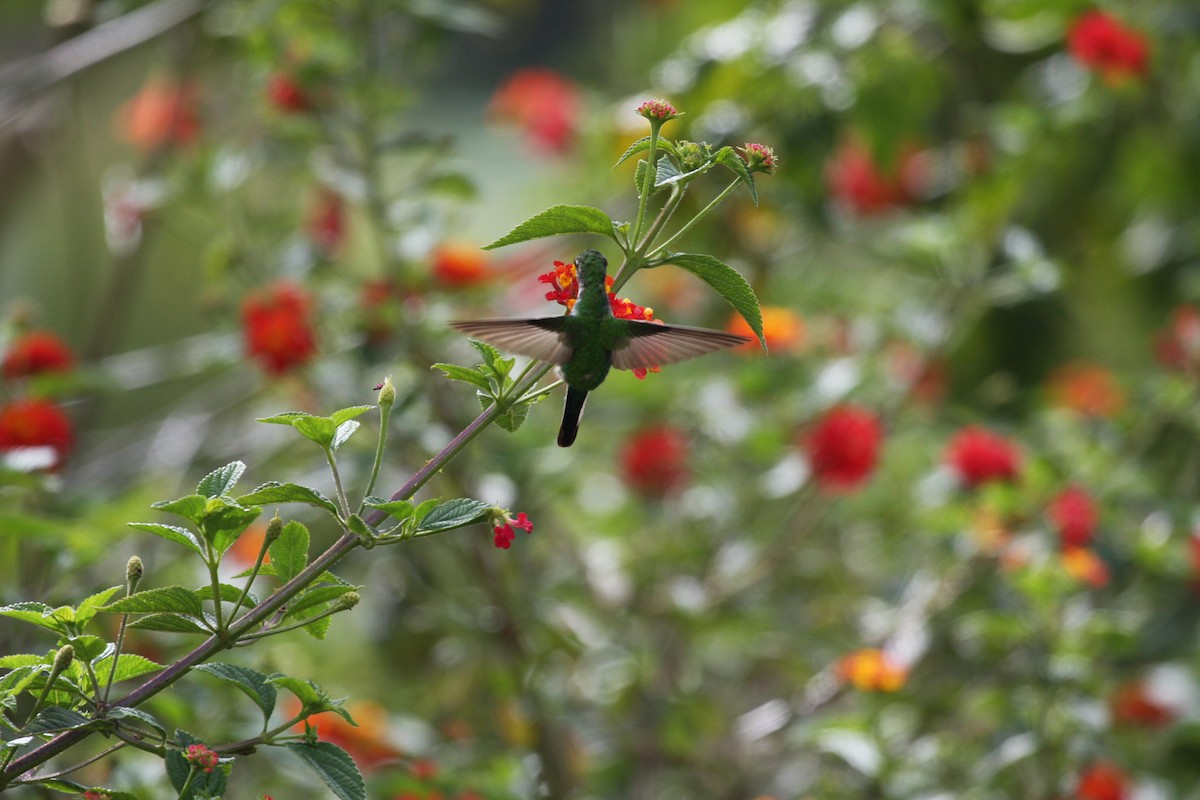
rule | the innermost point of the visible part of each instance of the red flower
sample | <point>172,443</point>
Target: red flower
<point>36,353</point>
<point>541,102</point>
<point>1075,515</point>
<point>326,222</point>
<point>978,456</point>
<point>458,265</point>
<point>843,447</point>
<point>1178,345</point>
<point>659,110</point>
<point>503,534</point>
<point>1102,781</point>
<point>35,423</point>
<point>277,327</point>
<point>162,113</point>
<point>1087,389</point>
<point>654,462</point>
<point>200,756</point>
<point>423,769</point>
<point>857,183</point>
<point>1103,43</point>
<point>759,158</point>
<point>287,95</point>
<point>1132,703</point>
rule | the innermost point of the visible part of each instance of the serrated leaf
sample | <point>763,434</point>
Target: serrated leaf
<point>171,533</point>
<point>225,521</point>
<point>91,604</point>
<point>62,785</point>
<point>36,613</point>
<point>642,145</point>
<point>489,354</point>
<point>558,220</point>
<point>334,766</point>
<point>729,158</point>
<point>729,284</point>
<point>344,432</point>
<point>398,509</point>
<point>472,376</point>
<point>666,172</point>
<point>315,597</point>
<point>169,623</point>
<point>348,413</point>
<point>316,429</point>
<point>165,598</point>
<point>512,417</point>
<point>87,647</point>
<point>311,697</point>
<point>254,684</point>
<point>22,660</point>
<point>20,678</point>
<point>318,627</point>
<point>125,712</point>
<point>191,507</point>
<point>229,593</point>
<point>56,718</point>
<point>639,178</point>
<point>289,553</point>
<point>221,481</point>
<point>454,514</point>
<point>272,492</point>
<point>129,665</point>
<point>423,509</point>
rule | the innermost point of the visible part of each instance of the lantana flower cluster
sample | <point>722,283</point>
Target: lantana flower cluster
<point>32,422</point>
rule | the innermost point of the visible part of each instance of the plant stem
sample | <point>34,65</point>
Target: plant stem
<point>251,637</point>
<point>664,215</point>
<point>385,411</point>
<point>716,201</point>
<point>112,672</point>
<point>337,482</point>
<point>647,182</point>
<point>258,562</point>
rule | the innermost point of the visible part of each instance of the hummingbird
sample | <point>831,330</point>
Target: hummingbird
<point>588,341</point>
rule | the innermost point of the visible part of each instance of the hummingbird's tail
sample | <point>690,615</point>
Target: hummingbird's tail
<point>572,413</point>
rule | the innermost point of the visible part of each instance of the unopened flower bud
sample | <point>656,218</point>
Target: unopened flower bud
<point>692,155</point>
<point>63,658</point>
<point>133,573</point>
<point>348,601</point>
<point>759,158</point>
<point>274,528</point>
<point>387,393</point>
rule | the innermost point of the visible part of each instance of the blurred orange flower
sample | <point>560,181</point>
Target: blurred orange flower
<point>458,265</point>
<point>367,743</point>
<point>163,112</point>
<point>1086,388</point>
<point>783,329</point>
<point>1084,565</point>
<point>872,670</point>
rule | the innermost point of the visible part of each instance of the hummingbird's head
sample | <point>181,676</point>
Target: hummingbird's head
<point>591,267</point>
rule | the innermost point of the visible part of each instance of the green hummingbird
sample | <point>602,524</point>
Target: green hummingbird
<point>589,341</point>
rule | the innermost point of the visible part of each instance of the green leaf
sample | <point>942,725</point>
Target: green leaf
<point>191,507</point>
<point>422,510</point>
<point>229,593</point>
<point>87,647</point>
<point>639,178</point>
<point>91,604</point>
<point>289,553</point>
<point>318,627</point>
<point>272,492</point>
<point>398,509</point>
<point>20,678</point>
<point>36,613</point>
<point>729,284</point>
<point>125,712</point>
<point>316,596</point>
<point>472,376</point>
<point>316,429</point>
<point>558,220</point>
<point>344,432</point>
<point>491,356</point>
<point>514,415</point>
<point>334,766</point>
<point>129,665</point>
<point>348,413</point>
<point>172,533</point>
<point>453,185</point>
<point>220,481</point>
<point>166,598</point>
<point>309,694</point>
<point>454,514</point>
<point>169,623</point>
<point>225,521</point>
<point>667,172</point>
<point>62,785</point>
<point>642,145</point>
<point>203,784</point>
<point>56,718</point>
<point>254,684</point>
<point>729,157</point>
<point>22,660</point>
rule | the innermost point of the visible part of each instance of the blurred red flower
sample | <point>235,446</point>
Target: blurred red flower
<point>1074,515</point>
<point>654,461</point>
<point>163,112</point>
<point>783,329</point>
<point>459,265</point>
<point>1178,345</point>
<point>326,221</point>
<point>872,670</point>
<point>36,353</point>
<point>1102,43</point>
<point>977,456</point>
<point>287,95</point>
<point>1102,780</point>
<point>860,185</point>
<point>1132,703</point>
<point>277,327</point>
<point>542,103</point>
<point>843,447</point>
<point>1086,388</point>
<point>35,423</point>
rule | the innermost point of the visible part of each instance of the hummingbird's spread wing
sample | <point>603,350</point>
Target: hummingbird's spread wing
<point>650,345</point>
<point>542,339</point>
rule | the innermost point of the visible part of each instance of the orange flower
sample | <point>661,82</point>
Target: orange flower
<point>458,265</point>
<point>1084,565</point>
<point>277,327</point>
<point>541,102</point>
<point>245,550</point>
<point>26,424</point>
<point>367,743</point>
<point>36,353</point>
<point>162,113</point>
<point>872,670</point>
<point>783,329</point>
<point>1086,388</point>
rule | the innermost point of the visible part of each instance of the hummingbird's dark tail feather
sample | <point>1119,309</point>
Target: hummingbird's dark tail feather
<point>572,413</point>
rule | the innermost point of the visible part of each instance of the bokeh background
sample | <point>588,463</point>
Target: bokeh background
<point>937,543</point>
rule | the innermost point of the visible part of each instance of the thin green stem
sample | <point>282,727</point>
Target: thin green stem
<point>215,578</point>
<point>545,390</point>
<point>103,753</point>
<point>258,562</point>
<point>664,215</point>
<point>716,201</point>
<point>385,412</point>
<point>337,482</point>
<point>112,671</point>
<point>251,637</point>
<point>188,783</point>
<point>648,181</point>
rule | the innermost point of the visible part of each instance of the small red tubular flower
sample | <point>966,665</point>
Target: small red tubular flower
<point>657,110</point>
<point>277,327</point>
<point>1101,42</point>
<point>977,456</point>
<point>759,158</point>
<point>858,184</point>
<point>543,104</point>
<point>32,423</point>
<point>1074,515</point>
<point>287,95</point>
<point>654,461</point>
<point>36,353</point>
<point>1102,780</point>
<point>843,447</point>
<point>201,757</point>
<point>162,113</point>
<point>503,533</point>
<point>457,266</point>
